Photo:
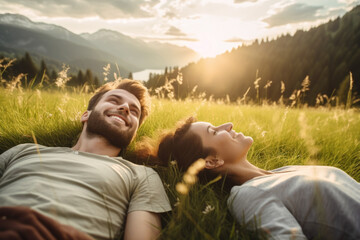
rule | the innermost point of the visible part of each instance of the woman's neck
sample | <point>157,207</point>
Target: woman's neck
<point>243,171</point>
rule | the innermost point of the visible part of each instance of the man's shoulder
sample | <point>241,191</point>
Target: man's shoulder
<point>23,146</point>
<point>19,148</point>
<point>27,149</point>
<point>138,168</point>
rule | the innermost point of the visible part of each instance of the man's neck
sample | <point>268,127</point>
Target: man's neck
<point>95,144</point>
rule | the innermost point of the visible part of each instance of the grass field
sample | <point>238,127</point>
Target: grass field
<point>282,136</point>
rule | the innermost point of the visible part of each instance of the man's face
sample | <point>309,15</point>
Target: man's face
<point>115,117</point>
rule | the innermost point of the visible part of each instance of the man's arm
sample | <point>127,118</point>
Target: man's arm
<point>142,225</point>
<point>22,223</point>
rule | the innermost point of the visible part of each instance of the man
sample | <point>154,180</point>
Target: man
<point>87,186</point>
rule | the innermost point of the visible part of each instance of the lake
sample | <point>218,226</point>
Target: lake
<point>144,74</point>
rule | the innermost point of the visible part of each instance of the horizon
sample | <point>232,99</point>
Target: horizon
<point>204,26</point>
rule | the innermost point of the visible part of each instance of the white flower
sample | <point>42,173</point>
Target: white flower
<point>208,209</point>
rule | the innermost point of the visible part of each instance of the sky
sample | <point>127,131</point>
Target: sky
<point>209,27</point>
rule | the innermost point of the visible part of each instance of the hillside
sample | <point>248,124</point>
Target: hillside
<point>57,44</point>
<point>63,51</point>
<point>143,55</point>
<point>326,54</point>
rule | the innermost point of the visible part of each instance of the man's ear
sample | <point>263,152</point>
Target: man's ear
<point>85,116</point>
<point>212,162</point>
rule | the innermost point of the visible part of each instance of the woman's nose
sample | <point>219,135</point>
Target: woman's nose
<point>226,126</point>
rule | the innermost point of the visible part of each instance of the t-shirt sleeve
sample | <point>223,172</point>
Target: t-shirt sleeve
<point>149,194</point>
<point>259,209</point>
<point>8,155</point>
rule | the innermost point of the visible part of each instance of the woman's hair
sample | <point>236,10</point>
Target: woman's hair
<point>182,146</point>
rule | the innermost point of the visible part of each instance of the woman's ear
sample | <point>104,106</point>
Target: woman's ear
<point>212,162</point>
<point>85,116</point>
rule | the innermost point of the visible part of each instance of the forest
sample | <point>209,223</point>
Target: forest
<point>266,70</point>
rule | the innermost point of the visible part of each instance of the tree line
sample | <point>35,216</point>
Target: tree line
<point>42,75</point>
<point>270,70</point>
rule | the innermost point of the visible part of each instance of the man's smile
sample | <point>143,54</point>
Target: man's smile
<point>119,118</point>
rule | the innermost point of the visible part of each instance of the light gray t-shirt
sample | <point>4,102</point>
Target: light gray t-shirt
<point>300,202</point>
<point>90,192</point>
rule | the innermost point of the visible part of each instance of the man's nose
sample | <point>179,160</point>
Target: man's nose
<point>124,108</point>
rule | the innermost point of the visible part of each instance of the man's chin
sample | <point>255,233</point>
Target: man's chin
<point>114,131</point>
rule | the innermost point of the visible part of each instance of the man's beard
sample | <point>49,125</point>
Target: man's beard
<point>96,125</point>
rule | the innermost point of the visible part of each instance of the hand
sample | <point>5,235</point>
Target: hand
<point>22,223</point>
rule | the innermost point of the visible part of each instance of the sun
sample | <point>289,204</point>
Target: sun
<point>210,45</point>
<point>213,34</point>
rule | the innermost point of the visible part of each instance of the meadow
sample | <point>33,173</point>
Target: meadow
<point>282,136</point>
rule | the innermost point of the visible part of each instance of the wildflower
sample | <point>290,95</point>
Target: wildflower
<point>171,95</point>
<point>268,84</point>
<point>16,83</point>
<point>227,98</point>
<point>194,89</point>
<point>256,83</point>
<point>106,72</point>
<point>177,202</point>
<point>62,78</point>
<point>282,87</point>
<point>305,84</point>
<point>182,188</point>
<point>208,209</point>
<point>189,178</point>
<point>199,164</point>
<point>179,78</point>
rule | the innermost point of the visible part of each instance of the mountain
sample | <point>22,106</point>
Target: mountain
<point>142,54</point>
<point>48,29</point>
<point>326,54</point>
<point>59,45</point>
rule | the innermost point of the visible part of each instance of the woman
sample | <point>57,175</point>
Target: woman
<point>293,202</point>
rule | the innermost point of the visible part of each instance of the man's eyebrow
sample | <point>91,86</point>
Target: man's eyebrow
<point>208,129</point>
<point>114,95</point>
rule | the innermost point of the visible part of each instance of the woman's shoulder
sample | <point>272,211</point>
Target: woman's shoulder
<point>307,169</point>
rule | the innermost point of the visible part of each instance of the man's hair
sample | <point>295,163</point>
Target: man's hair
<point>132,86</point>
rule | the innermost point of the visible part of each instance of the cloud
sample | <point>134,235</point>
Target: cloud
<point>175,32</point>
<point>243,1</point>
<point>170,15</point>
<point>106,9</point>
<point>336,12</point>
<point>170,39</point>
<point>293,14</point>
<point>234,40</point>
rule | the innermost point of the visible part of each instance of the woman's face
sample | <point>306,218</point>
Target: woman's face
<point>229,145</point>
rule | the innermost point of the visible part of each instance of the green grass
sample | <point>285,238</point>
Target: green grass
<point>282,136</point>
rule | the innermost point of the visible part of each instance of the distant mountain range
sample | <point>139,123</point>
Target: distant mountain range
<point>58,45</point>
